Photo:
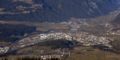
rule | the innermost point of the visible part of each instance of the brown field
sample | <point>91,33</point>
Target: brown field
<point>88,53</point>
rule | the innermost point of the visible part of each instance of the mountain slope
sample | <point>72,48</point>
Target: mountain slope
<point>117,20</point>
<point>54,10</point>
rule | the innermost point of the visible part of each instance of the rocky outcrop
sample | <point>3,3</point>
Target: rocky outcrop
<point>31,40</point>
<point>84,38</point>
<point>4,50</point>
<point>91,40</point>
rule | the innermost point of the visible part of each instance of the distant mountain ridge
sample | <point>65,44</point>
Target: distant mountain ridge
<point>54,10</point>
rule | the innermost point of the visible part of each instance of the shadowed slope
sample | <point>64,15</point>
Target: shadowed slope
<point>54,10</point>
